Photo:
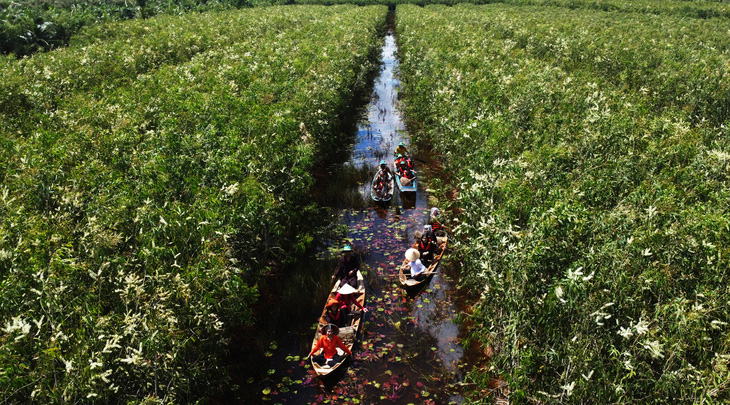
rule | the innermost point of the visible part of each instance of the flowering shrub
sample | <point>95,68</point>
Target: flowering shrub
<point>140,205</point>
<point>590,156</point>
<point>29,26</point>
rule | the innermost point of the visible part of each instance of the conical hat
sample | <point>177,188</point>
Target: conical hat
<point>347,289</point>
<point>412,254</point>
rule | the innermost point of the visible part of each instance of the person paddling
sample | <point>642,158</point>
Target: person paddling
<point>418,270</point>
<point>401,149</point>
<point>347,267</point>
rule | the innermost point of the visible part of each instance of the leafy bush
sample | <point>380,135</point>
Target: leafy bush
<point>27,27</point>
<point>591,164</point>
<point>140,209</point>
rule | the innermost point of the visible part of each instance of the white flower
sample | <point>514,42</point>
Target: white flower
<point>651,211</point>
<point>716,324</point>
<point>625,332</point>
<point>230,190</point>
<point>68,364</point>
<point>655,348</point>
<point>641,327</point>
<point>568,388</point>
<point>18,324</point>
<point>575,275</point>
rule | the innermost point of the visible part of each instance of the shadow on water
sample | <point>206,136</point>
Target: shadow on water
<point>409,347</point>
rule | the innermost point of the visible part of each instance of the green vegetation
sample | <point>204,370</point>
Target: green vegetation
<point>684,8</point>
<point>28,26</point>
<point>591,158</point>
<point>149,180</point>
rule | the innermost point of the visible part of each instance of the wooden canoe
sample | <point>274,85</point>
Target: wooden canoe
<point>409,188</point>
<point>405,269</point>
<point>389,186</point>
<point>348,334</point>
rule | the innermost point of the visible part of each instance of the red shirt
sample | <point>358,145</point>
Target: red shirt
<point>346,300</point>
<point>330,346</point>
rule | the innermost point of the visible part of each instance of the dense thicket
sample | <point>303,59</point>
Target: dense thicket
<point>591,158</point>
<point>150,175</point>
<point>29,26</point>
<point>685,8</point>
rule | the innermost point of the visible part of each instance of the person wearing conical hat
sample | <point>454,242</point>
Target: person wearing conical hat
<point>418,270</point>
<point>328,343</point>
<point>347,297</point>
<point>346,271</point>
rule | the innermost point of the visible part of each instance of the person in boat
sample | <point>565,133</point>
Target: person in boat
<point>405,173</point>
<point>328,343</point>
<point>418,270</point>
<point>333,312</point>
<point>347,298</point>
<point>401,149</point>
<point>426,249</point>
<point>346,271</point>
<point>382,180</point>
<point>378,187</point>
<point>385,172</point>
<point>404,158</point>
<point>437,230</point>
<point>428,233</point>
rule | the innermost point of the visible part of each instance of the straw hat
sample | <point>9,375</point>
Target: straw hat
<point>335,329</point>
<point>347,289</point>
<point>412,254</point>
<point>332,301</point>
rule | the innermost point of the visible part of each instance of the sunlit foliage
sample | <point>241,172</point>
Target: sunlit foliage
<point>591,162</point>
<point>148,179</point>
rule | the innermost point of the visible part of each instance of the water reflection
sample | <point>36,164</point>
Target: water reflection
<point>408,351</point>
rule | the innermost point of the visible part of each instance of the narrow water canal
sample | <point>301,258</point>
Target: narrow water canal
<point>408,350</point>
